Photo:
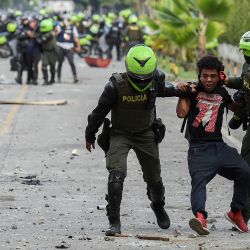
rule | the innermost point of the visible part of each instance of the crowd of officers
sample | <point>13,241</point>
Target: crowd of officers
<point>52,37</point>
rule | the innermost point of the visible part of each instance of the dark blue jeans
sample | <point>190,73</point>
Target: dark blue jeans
<point>205,160</point>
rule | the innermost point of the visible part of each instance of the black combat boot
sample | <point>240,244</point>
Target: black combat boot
<point>155,193</point>
<point>75,79</point>
<point>52,80</point>
<point>45,76</point>
<point>114,197</point>
<point>18,79</point>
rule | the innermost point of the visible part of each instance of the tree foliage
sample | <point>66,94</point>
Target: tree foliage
<point>238,22</point>
<point>191,23</point>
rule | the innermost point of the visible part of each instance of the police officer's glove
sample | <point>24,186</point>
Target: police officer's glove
<point>90,145</point>
<point>187,87</point>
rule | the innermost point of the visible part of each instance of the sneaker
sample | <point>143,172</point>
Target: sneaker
<point>237,220</point>
<point>199,224</point>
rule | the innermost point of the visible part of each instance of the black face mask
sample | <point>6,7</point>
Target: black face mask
<point>247,58</point>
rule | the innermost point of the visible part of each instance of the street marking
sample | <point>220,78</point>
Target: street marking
<point>11,115</point>
<point>231,138</point>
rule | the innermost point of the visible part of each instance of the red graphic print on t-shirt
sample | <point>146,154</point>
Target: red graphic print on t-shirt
<point>208,105</point>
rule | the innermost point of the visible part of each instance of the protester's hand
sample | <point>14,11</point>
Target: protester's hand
<point>90,145</point>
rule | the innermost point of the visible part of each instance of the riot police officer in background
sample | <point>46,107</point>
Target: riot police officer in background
<point>47,39</point>
<point>22,43</point>
<point>114,38</point>
<point>33,52</point>
<point>30,51</point>
<point>133,32</point>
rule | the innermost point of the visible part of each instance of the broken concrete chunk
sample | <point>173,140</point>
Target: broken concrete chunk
<point>75,152</point>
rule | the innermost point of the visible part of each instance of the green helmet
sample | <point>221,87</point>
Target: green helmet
<point>46,25</point>
<point>80,16</point>
<point>125,13</point>
<point>112,15</point>
<point>133,19</point>
<point>141,65</point>
<point>96,18</point>
<point>74,19</point>
<point>43,12</point>
<point>18,13</point>
<point>245,43</point>
<point>94,29</point>
<point>11,27</point>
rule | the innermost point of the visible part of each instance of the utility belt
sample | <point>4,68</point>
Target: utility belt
<point>103,139</point>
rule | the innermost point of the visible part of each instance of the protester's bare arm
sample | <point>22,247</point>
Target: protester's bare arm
<point>182,107</point>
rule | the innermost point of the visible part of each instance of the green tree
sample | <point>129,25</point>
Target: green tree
<point>193,21</point>
<point>237,23</point>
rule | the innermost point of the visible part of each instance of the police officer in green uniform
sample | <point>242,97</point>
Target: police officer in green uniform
<point>133,32</point>
<point>243,83</point>
<point>47,39</point>
<point>130,97</point>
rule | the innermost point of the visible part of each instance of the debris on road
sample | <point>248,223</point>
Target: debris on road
<point>26,102</point>
<point>75,152</point>
<point>63,245</point>
<point>149,237</point>
<point>101,207</point>
<point>30,180</point>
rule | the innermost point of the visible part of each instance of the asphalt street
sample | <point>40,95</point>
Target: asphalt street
<point>51,186</point>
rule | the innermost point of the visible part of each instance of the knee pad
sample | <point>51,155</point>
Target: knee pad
<point>116,176</point>
<point>115,182</point>
<point>44,68</point>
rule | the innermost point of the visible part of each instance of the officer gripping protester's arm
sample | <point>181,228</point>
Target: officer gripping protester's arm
<point>131,97</point>
<point>242,114</point>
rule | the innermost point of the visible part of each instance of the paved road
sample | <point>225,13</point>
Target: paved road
<point>36,144</point>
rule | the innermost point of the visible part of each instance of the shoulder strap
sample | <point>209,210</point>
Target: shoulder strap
<point>228,130</point>
<point>116,78</point>
<point>183,124</point>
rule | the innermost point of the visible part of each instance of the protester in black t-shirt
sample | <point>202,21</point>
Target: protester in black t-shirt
<point>208,154</point>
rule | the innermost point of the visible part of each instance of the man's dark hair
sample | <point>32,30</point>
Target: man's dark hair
<point>210,62</point>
